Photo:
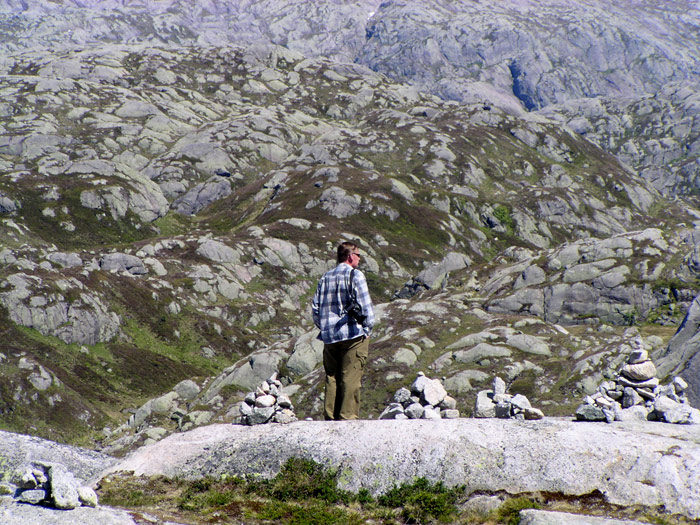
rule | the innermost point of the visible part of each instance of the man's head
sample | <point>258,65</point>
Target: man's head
<point>349,253</point>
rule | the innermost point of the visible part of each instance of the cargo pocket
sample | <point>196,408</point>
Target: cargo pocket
<point>362,351</point>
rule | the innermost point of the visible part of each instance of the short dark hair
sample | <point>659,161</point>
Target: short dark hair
<point>344,250</point>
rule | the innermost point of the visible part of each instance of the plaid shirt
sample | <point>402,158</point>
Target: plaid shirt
<point>331,300</point>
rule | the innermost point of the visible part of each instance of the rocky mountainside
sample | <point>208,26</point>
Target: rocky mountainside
<point>625,72</point>
<point>174,181</point>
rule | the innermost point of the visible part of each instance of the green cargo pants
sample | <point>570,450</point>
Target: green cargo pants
<point>344,362</point>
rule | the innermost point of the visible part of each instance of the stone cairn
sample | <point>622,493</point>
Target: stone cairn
<point>636,394</point>
<point>50,485</point>
<point>267,404</point>
<point>426,399</point>
<point>497,403</point>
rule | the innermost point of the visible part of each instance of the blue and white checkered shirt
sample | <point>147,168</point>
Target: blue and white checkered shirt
<point>332,299</point>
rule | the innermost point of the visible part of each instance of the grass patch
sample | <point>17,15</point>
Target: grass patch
<point>311,514</point>
<point>173,224</point>
<point>422,501</point>
<point>509,512</point>
<point>304,492</point>
<point>303,479</point>
<point>502,213</point>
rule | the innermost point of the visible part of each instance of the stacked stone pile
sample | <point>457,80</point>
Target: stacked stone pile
<point>267,404</point>
<point>497,403</point>
<point>51,485</point>
<point>637,394</point>
<point>426,399</point>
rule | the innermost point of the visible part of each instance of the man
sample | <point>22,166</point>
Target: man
<point>346,340</point>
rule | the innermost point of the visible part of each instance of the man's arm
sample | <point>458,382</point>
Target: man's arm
<point>365,301</point>
<point>316,306</point>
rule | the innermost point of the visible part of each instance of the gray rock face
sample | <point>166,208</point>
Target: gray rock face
<point>418,42</point>
<point>202,195</point>
<point>657,153</point>
<point>541,517</point>
<point>20,450</point>
<point>262,120</point>
<point>589,278</point>
<point>67,260</point>
<point>571,457</point>
<point>85,321</point>
<point>401,46</point>
<point>681,356</point>
<point>12,513</point>
<point>218,252</point>
<point>124,263</point>
<point>306,355</point>
<point>435,275</point>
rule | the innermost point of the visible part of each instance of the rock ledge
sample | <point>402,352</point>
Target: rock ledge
<point>631,463</point>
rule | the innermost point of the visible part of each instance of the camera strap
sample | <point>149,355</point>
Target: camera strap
<point>351,290</point>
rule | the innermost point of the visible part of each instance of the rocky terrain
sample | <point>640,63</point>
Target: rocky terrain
<point>522,181</point>
<point>627,464</point>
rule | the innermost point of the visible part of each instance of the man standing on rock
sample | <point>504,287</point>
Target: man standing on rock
<point>345,332</point>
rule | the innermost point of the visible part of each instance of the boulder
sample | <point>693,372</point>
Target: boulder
<point>64,488</point>
<point>202,195</point>
<point>402,395</point>
<point>681,356</point>
<point>414,411</point>
<point>633,413</point>
<point>639,371</point>
<point>261,415</point>
<point>20,450</point>
<point>631,398</point>
<point>628,463</point>
<point>484,405</point>
<point>123,262</point>
<point>499,386</point>
<point>66,260</point>
<point>306,355</point>
<point>392,411</point>
<point>590,413</point>
<point>187,390</point>
<point>433,393</point>
<point>33,496</point>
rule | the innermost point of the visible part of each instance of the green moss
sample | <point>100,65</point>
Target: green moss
<point>302,479</point>
<point>502,213</point>
<point>310,514</point>
<point>509,512</point>
<point>173,224</point>
<point>144,339</point>
<point>422,501</point>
